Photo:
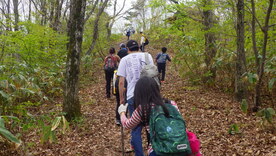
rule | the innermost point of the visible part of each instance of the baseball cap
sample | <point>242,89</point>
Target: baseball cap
<point>122,45</point>
<point>132,44</point>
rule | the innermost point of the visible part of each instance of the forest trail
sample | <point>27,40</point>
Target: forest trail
<point>208,113</point>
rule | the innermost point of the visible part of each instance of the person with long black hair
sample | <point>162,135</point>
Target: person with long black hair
<point>147,97</point>
<point>146,94</point>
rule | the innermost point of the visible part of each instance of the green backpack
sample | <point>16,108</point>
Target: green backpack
<point>168,135</point>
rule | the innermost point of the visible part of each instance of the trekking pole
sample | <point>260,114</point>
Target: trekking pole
<point>122,140</point>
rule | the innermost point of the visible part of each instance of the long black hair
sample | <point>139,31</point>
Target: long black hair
<point>146,93</point>
<point>112,50</point>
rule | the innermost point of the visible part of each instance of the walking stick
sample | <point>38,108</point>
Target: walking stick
<point>122,140</point>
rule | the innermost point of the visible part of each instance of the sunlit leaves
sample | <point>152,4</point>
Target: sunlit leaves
<point>7,134</point>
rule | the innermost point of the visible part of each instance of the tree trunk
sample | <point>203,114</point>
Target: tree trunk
<point>108,30</point>
<point>210,39</point>
<point>56,14</point>
<point>71,104</point>
<point>240,86</point>
<point>8,18</point>
<point>96,28</point>
<point>257,99</point>
<point>30,10</point>
<point>253,23</point>
<point>16,15</point>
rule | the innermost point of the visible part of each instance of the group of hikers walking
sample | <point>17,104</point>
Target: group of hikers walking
<point>136,85</point>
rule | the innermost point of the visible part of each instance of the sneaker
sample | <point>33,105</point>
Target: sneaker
<point>118,122</point>
<point>129,150</point>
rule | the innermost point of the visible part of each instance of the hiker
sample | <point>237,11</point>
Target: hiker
<point>143,42</point>
<point>149,109</point>
<point>129,70</point>
<point>121,53</point>
<point>161,60</point>
<point>111,62</point>
<point>128,33</point>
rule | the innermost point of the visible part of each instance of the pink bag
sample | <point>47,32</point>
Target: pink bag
<point>194,143</point>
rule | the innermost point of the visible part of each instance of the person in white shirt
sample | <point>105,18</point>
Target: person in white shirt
<point>142,42</point>
<point>129,70</point>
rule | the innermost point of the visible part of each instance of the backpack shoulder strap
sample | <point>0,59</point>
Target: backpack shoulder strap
<point>147,57</point>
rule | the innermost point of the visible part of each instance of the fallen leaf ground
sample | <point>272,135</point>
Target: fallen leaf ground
<point>208,113</point>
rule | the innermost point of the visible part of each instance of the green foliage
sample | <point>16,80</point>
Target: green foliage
<point>33,61</point>
<point>48,133</point>
<point>181,29</point>
<point>244,106</point>
<point>234,129</point>
<point>267,115</point>
<point>7,134</point>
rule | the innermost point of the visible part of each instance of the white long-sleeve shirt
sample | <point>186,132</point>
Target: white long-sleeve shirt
<point>143,40</point>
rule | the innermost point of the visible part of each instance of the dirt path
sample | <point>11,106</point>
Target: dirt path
<point>207,112</point>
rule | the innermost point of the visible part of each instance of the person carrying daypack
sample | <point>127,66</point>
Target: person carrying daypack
<point>162,119</point>
<point>161,60</point>
<point>111,62</point>
<point>128,33</point>
<point>129,70</point>
<point>143,42</point>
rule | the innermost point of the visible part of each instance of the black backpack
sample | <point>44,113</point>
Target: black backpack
<point>146,42</point>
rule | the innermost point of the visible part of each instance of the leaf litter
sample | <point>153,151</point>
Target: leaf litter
<point>208,112</point>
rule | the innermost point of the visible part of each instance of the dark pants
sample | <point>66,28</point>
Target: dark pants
<point>162,69</point>
<point>118,102</point>
<point>108,79</point>
<point>142,47</point>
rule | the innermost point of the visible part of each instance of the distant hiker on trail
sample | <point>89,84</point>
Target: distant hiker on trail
<point>111,62</point>
<point>162,119</point>
<point>123,51</point>
<point>143,42</point>
<point>161,59</point>
<point>129,70</point>
<point>128,33</point>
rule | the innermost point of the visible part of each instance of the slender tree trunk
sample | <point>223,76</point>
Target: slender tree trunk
<point>210,39</point>
<point>108,30</point>
<point>44,12</point>
<point>240,86</point>
<point>30,10</point>
<point>16,15</point>
<point>253,23</point>
<point>71,104</point>
<point>56,13</point>
<point>257,99</point>
<point>8,18</point>
<point>96,28</point>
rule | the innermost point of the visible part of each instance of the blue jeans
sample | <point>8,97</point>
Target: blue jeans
<point>136,139</point>
<point>152,153</point>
